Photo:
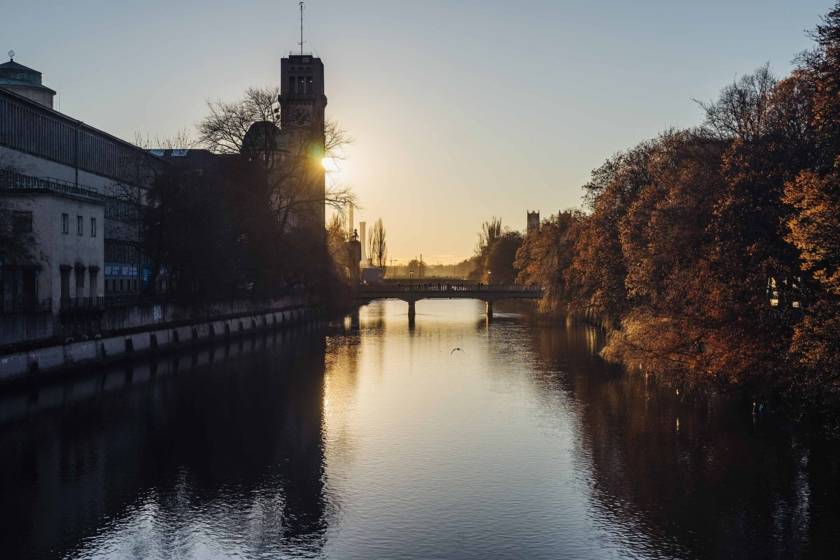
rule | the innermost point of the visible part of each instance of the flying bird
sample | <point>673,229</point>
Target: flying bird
<point>455,350</point>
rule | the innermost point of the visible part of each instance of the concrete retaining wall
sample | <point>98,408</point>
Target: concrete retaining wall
<point>27,328</point>
<point>156,339</point>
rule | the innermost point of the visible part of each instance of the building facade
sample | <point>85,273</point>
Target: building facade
<point>62,228</point>
<point>303,105</point>
<point>74,194</point>
<point>80,188</point>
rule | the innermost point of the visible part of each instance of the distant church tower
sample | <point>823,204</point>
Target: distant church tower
<point>533,221</point>
<point>302,107</point>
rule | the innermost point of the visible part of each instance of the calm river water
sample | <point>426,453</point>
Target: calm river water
<point>450,438</point>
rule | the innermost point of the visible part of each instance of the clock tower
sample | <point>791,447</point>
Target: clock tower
<point>302,106</point>
<point>302,99</point>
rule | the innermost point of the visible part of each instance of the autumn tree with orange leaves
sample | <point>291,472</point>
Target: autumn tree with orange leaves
<point>712,255</point>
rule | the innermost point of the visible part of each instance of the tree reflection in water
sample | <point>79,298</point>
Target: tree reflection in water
<point>696,474</point>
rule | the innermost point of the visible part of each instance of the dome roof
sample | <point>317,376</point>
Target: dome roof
<point>262,136</point>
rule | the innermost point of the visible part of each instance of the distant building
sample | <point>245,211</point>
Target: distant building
<point>533,221</point>
<point>75,193</point>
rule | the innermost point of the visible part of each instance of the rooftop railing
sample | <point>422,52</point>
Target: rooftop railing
<point>12,181</point>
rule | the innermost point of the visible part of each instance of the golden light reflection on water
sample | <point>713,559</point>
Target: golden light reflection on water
<point>380,439</point>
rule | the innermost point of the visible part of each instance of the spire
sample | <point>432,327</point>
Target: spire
<point>12,53</point>
<point>301,27</point>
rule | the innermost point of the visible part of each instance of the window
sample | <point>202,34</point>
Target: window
<point>93,227</point>
<point>94,280</point>
<point>65,224</point>
<point>22,222</point>
<point>80,225</point>
<point>65,282</point>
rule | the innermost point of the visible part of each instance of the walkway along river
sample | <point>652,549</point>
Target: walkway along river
<point>446,437</point>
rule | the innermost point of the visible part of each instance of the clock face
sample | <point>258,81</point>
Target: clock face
<point>300,116</point>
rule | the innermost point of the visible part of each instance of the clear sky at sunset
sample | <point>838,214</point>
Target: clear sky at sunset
<point>460,110</point>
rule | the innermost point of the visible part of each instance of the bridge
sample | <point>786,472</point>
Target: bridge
<point>413,291</point>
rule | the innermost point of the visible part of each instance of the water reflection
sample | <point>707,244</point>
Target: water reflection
<point>380,440</point>
<point>694,476</point>
<point>211,461</point>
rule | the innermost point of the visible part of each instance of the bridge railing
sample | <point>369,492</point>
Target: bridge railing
<point>437,287</point>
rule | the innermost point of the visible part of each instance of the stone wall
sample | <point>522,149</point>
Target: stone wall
<point>145,331</point>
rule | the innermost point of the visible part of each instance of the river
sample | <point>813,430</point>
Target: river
<point>450,437</point>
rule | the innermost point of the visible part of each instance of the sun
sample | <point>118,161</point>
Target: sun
<point>330,165</point>
<point>333,170</point>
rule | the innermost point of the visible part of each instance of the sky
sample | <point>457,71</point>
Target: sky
<point>459,110</point>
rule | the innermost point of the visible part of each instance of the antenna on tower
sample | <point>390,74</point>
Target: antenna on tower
<point>301,27</point>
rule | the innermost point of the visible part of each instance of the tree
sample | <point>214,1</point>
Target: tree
<point>377,246</point>
<point>491,230</point>
<point>598,269</point>
<point>713,254</point>
<point>15,248</point>
<point>289,165</point>
<point>814,229</point>
<point>224,129</point>
<point>546,256</point>
<point>743,108</point>
<point>194,229</point>
<point>340,251</point>
<point>417,268</point>
<point>257,198</point>
<point>500,258</point>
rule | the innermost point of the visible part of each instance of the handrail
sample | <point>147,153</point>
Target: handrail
<point>449,288</point>
<point>13,181</point>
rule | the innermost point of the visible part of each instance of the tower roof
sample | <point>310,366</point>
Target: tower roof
<point>15,74</point>
<point>18,73</point>
<point>262,135</point>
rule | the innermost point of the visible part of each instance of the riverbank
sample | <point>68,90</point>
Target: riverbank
<point>45,393</point>
<point>769,390</point>
<point>155,336</point>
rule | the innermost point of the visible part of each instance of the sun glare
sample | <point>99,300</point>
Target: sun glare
<point>329,164</point>
<point>333,170</point>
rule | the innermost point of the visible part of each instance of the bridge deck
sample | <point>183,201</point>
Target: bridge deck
<point>415,292</point>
